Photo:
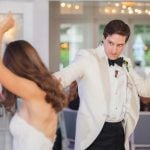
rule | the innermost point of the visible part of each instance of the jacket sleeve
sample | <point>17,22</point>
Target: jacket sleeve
<point>142,84</point>
<point>74,71</point>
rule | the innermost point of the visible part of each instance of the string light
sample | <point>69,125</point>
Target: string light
<point>77,7</point>
<point>71,8</point>
<point>63,4</point>
<point>127,8</point>
<point>69,5</point>
<point>106,10</point>
<point>123,8</point>
<point>113,11</point>
<point>117,4</point>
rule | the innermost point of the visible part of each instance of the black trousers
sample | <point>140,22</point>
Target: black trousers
<point>111,137</point>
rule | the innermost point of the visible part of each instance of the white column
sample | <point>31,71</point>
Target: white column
<point>41,29</point>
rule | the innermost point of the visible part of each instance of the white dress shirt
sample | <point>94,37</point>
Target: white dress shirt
<point>117,105</point>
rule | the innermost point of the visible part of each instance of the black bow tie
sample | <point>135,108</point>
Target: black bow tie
<point>118,61</point>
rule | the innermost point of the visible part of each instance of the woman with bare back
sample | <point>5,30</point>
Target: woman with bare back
<point>23,74</point>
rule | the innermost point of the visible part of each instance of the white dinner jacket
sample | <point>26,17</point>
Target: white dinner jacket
<point>90,69</point>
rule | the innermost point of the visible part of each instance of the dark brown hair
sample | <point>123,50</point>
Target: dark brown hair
<point>23,60</point>
<point>73,91</point>
<point>117,27</point>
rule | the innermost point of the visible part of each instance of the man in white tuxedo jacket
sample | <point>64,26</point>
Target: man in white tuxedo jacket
<point>109,92</point>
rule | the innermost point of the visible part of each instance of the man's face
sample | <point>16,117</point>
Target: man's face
<point>114,45</point>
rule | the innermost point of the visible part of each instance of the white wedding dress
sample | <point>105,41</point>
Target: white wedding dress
<point>26,137</point>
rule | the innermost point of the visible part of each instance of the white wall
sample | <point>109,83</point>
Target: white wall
<point>35,23</point>
<point>41,28</point>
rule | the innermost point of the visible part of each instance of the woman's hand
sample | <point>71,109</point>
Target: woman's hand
<point>7,23</point>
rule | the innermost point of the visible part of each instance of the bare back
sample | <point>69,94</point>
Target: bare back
<point>40,115</point>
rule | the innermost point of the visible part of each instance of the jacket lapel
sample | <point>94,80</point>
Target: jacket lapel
<point>102,60</point>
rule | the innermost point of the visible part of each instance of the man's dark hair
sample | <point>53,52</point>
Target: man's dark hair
<point>117,27</point>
